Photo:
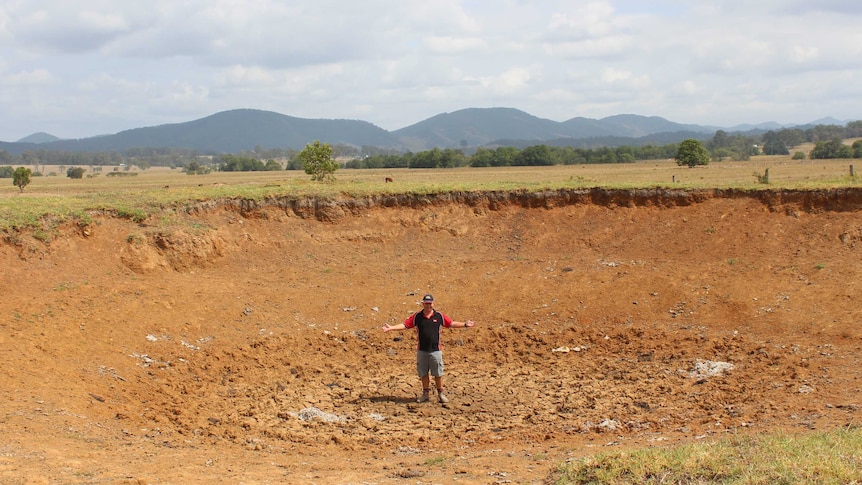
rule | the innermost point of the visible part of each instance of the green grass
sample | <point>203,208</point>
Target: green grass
<point>833,457</point>
<point>435,461</point>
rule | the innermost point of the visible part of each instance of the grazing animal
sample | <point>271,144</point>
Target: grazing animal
<point>389,179</point>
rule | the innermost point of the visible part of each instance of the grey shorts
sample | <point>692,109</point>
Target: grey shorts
<point>429,362</point>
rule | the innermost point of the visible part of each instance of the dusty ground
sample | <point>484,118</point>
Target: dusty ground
<point>242,344</point>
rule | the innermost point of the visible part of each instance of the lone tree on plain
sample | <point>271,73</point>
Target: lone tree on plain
<point>317,161</point>
<point>75,173</point>
<point>691,152</point>
<point>21,177</point>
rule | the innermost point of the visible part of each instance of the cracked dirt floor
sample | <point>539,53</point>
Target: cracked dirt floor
<point>234,347</point>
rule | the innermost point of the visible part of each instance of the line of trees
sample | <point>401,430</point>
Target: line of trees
<point>722,146</point>
<point>782,141</point>
<point>835,148</point>
<point>232,163</point>
<point>504,156</point>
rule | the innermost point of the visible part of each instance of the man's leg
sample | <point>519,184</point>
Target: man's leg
<point>440,396</point>
<point>437,372</point>
<point>426,388</point>
<point>422,369</point>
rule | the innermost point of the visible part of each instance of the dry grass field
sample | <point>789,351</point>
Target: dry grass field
<point>147,192</point>
<point>784,173</point>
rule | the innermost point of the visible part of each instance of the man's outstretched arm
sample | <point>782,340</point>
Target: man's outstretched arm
<point>468,323</point>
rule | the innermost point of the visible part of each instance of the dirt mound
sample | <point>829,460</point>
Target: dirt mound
<point>242,341</point>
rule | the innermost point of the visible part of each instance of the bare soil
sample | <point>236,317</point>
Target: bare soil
<point>241,342</point>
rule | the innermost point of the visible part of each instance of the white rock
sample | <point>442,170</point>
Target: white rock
<point>708,368</point>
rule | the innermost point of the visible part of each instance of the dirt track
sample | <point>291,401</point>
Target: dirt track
<point>242,343</point>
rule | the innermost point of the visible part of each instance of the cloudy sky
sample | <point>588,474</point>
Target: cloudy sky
<point>82,68</point>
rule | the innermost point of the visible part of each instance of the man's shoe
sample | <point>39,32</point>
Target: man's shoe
<point>424,397</point>
<point>442,397</point>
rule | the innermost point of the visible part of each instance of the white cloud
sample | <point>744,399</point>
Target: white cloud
<point>28,78</point>
<point>451,46</point>
<point>507,82</point>
<point>4,23</point>
<point>107,65</point>
<point>102,22</point>
<point>514,79</point>
<point>591,20</point>
<point>802,54</point>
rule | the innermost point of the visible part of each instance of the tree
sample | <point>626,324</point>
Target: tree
<point>824,133</point>
<point>317,161</point>
<point>272,166</point>
<point>774,145</point>
<point>791,137</point>
<point>482,157</point>
<point>294,164</point>
<point>195,168</point>
<point>450,158</point>
<point>719,154</point>
<point>720,140</point>
<point>853,129</point>
<point>536,155</point>
<point>75,173</point>
<point>241,164</point>
<point>504,156</point>
<point>625,154</point>
<point>21,178</point>
<point>427,159</point>
<point>692,153</point>
<point>833,148</point>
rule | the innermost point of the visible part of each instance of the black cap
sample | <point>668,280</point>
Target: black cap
<point>428,299</point>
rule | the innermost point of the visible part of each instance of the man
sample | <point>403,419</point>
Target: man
<point>429,323</point>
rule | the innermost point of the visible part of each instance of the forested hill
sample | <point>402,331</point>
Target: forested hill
<point>236,130</point>
<point>246,129</point>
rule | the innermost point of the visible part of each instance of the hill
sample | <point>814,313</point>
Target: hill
<point>478,126</point>
<point>245,129</point>
<point>483,126</point>
<point>38,138</point>
<point>237,130</point>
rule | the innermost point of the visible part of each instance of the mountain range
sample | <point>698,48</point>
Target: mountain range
<point>244,129</point>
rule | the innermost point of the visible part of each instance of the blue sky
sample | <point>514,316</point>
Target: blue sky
<point>83,68</point>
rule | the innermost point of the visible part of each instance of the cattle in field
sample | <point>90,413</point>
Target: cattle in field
<point>389,179</point>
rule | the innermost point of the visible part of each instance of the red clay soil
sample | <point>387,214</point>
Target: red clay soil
<point>241,342</point>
